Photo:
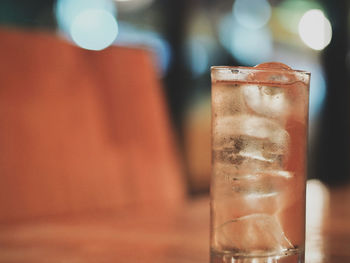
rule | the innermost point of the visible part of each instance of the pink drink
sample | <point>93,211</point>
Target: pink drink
<point>259,140</point>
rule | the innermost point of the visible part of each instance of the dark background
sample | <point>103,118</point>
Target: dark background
<point>185,36</point>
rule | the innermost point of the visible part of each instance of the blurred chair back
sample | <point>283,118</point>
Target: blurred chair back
<point>81,131</point>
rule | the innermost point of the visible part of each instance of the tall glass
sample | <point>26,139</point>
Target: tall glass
<point>259,141</point>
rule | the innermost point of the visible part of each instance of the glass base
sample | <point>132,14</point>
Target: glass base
<point>287,257</point>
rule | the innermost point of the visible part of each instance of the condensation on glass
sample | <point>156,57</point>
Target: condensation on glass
<point>259,141</point>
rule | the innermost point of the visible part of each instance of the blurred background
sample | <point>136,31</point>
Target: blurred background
<point>186,37</point>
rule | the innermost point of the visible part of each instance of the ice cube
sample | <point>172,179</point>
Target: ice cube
<point>246,140</point>
<point>276,73</point>
<point>252,234</point>
<point>258,185</point>
<point>264,100</point>
<point>236,171</point>
<point>238,194</point>
<point>248,159</point>
<point>250,125</point>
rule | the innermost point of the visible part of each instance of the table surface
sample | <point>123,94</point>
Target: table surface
<point>180,236</point>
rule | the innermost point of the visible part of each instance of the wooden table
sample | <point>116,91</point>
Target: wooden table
<point>178,236</point>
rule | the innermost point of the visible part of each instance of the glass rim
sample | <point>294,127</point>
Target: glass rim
<point>255,69</point>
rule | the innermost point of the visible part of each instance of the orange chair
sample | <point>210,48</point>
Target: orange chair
<point>81,131</point>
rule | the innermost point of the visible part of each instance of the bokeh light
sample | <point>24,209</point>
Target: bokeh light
<point>197,56</point>
<point>130,35</point>
<point>94,29</point>
<point>248,46</point>
<point>317,209</point>
<point>91,24</point>
<point>318,93</point>
<point>132,5</point>
<point>252,14</point>
<point>315,30</point>
<point>289,13</point>
<point>317,200</point>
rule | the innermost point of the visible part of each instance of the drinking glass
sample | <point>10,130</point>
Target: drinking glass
<point>259,146</point>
